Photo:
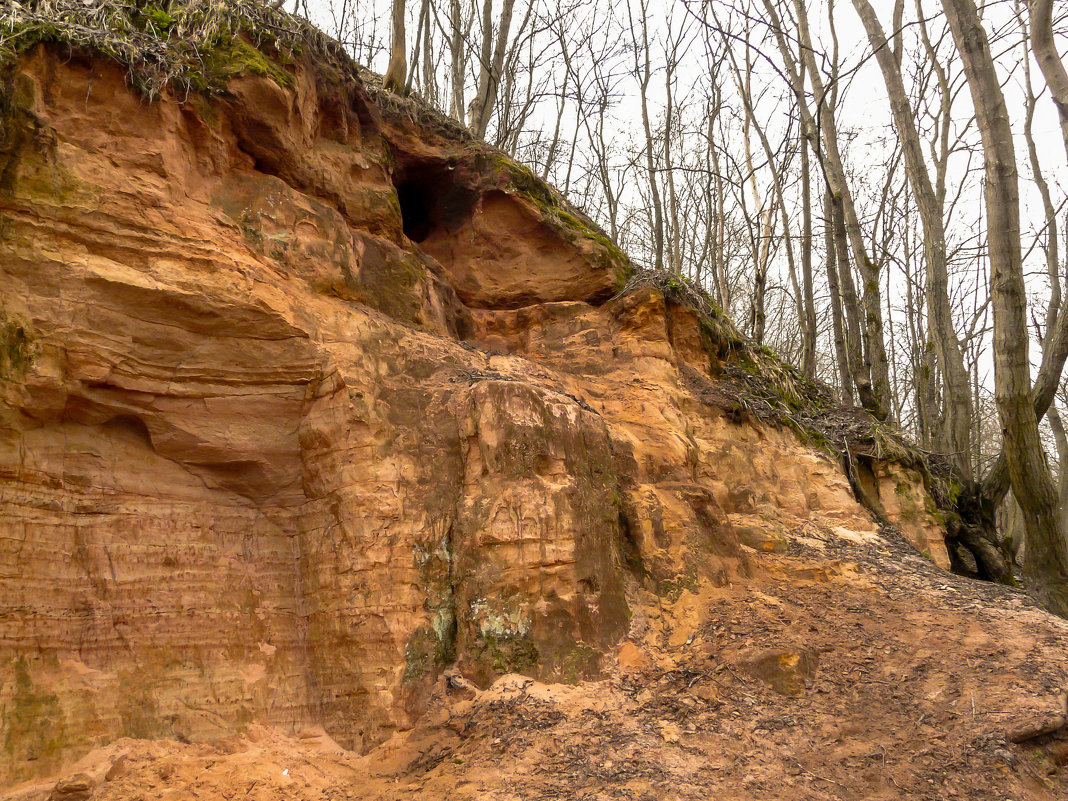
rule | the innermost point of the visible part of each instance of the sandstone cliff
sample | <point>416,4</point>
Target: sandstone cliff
<point>305,399</point>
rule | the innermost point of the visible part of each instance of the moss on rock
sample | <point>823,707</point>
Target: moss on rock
<point>18,346</point>
<point>34,722</point>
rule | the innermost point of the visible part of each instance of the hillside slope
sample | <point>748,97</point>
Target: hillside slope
<point>335,463</point>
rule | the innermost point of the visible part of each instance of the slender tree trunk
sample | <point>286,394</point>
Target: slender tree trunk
<point>1029,476</point>
<point>456,61</point>
<point>808,329</point>
<point>422,24</point>
<point>1049,61</point>
<point>845,376</point>
<point>673,232</point>
<point>720,261</point>
<point>492,56</point>
<point>957,395</point>
<point>395,78</point>
<point>430,82</point>
<point>643,72</point>
<point>855,340</point>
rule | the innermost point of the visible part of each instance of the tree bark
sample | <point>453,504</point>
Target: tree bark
<point>1029,476</point>
<point>396,73</point>
<point>957,394</point>
<point>808,336</point>
<point>838,323</point>
<point>1049,61</point>
<point>854,341</point>
<point>456,61</point>
<point>492,58</point>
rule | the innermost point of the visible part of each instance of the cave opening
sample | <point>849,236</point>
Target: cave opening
<point>433,199</point>
<point>415,211</point>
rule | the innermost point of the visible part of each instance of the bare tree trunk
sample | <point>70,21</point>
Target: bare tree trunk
<point>1029,476</point>
<point>421,27</point>
<point>430,82</point>
<point>720,262</point>
<point>492,58</point>
<point>1049,61</point>
<point>957,395</point>
<point>844,374</point>
<point>457,62</point>
<point>643,72</point>
<point>854,338</point>
<point>395,79</point>
<point>808,329</point>
<point>672,46</point>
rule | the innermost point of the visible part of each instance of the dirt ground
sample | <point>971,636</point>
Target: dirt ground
<point>847,668</point>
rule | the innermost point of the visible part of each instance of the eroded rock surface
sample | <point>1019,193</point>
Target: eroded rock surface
<point>301,404</point>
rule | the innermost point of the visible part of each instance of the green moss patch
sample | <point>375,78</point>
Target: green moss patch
<point>34,722</point>
<point>18,347</point>
<point>568,222</point>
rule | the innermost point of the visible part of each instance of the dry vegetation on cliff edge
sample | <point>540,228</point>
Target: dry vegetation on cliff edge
<point>184,45</point>
<point>757,382</point>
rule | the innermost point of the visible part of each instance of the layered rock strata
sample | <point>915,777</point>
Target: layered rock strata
<point>301,403</point>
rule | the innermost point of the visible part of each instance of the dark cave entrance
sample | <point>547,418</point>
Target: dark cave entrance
<point>415,210</point>
<point>434,199</point>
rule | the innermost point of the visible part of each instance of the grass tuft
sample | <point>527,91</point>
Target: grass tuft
<point>178,45</point>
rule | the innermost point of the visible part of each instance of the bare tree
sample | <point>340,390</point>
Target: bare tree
<point>643,73</point>
<point>1029,476</point>
<point>957,393</point>
<point>395,78</point>
<point>871,374</point>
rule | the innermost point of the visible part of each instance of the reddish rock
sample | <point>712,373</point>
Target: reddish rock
<point>281,439</point>
<point>78,787</point>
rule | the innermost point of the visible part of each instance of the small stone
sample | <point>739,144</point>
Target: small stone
<point>78,787</point>
<point>118,769</point>
<point>786,671</point>
<point>456,686</point>
<point>1036,728</point>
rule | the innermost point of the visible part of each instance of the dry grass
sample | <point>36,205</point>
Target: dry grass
<point>184,45</point>
<point>195,45</point>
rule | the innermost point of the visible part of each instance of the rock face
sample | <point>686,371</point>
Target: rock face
<point>301,404</point>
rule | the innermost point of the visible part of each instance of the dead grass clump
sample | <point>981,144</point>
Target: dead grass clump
<point>184,45</point>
